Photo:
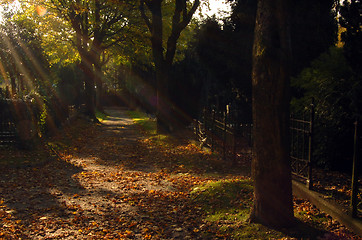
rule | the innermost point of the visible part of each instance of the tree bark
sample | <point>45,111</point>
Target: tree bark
<point>99,84</point>
<point>12,74</point>
<point>97,75</point>
<point>271,170</point>
<point>96,51</point>
<point>163,113</point>
<point>166,119</point>
<point>89,90</point>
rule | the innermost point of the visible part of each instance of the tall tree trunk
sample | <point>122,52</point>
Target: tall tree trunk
<point>164,105</point>
<point>166,119</point>
<point>163,113</point>
<point>21,84</point>
<point>80,25</point>
<point>99,84</point>
<point>271,170</point>
<point>12,75</point>
<point>96,51</point>
<point>89,90</point>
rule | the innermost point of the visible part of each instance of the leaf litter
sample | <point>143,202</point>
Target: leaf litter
<point>115,181</point>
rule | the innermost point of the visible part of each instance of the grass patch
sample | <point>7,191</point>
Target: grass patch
<point>216,197</point>
<point>147,124</point>
<point>101,116</point>
<point>227,203</point>
<point>57,146</point>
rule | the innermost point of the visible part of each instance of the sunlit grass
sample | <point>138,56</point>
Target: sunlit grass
<point>227,205</point>
<point>101,116</point>
<point>224,198</point>
<point>143,120</point>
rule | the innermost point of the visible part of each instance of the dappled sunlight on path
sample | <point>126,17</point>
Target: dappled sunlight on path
<point>102,187</point>
<point>116,181</point>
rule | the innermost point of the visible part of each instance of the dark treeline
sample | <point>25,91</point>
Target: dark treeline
<point>222,51</point>
<point>216,71</point>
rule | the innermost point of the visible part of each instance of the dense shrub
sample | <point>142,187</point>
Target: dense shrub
<point>33,116</point>
<point>22,114</point>
<point>330,82</point>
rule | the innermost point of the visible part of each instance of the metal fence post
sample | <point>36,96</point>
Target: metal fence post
<point>212,130</point>
<point>205,120</point>
<point>225,124</point>
<point>195,127</point>
<point>205,127</point>
<point>310,147</point>
<point>233,127</point>
<point>354,187</point>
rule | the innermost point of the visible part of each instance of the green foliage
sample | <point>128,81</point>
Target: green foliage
<point>330,82</point>
<point>69,84</point>
<point>42,123</point>
<point>50,113</point>
<point>23,59</point>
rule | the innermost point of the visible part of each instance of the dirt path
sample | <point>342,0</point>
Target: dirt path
<point>106,188</point>
<point>114,181</point>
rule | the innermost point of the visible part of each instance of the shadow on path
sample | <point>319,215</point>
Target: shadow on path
<point>111,182</point>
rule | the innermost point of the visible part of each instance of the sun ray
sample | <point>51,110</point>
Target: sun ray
<point>29,79</point>
<point>18,62</point>
<point>3,73</point>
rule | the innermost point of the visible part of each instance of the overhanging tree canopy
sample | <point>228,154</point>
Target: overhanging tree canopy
<point>97,26</point>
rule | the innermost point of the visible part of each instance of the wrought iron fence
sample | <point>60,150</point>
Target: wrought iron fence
<point>301,139</point>
<point>7,132</point>
<point>7,126</point>
<point>355,171</point>
<point>219,132</point>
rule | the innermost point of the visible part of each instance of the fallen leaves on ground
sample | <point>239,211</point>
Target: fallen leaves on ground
<point>113,181</point>
<point>336,186</point>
